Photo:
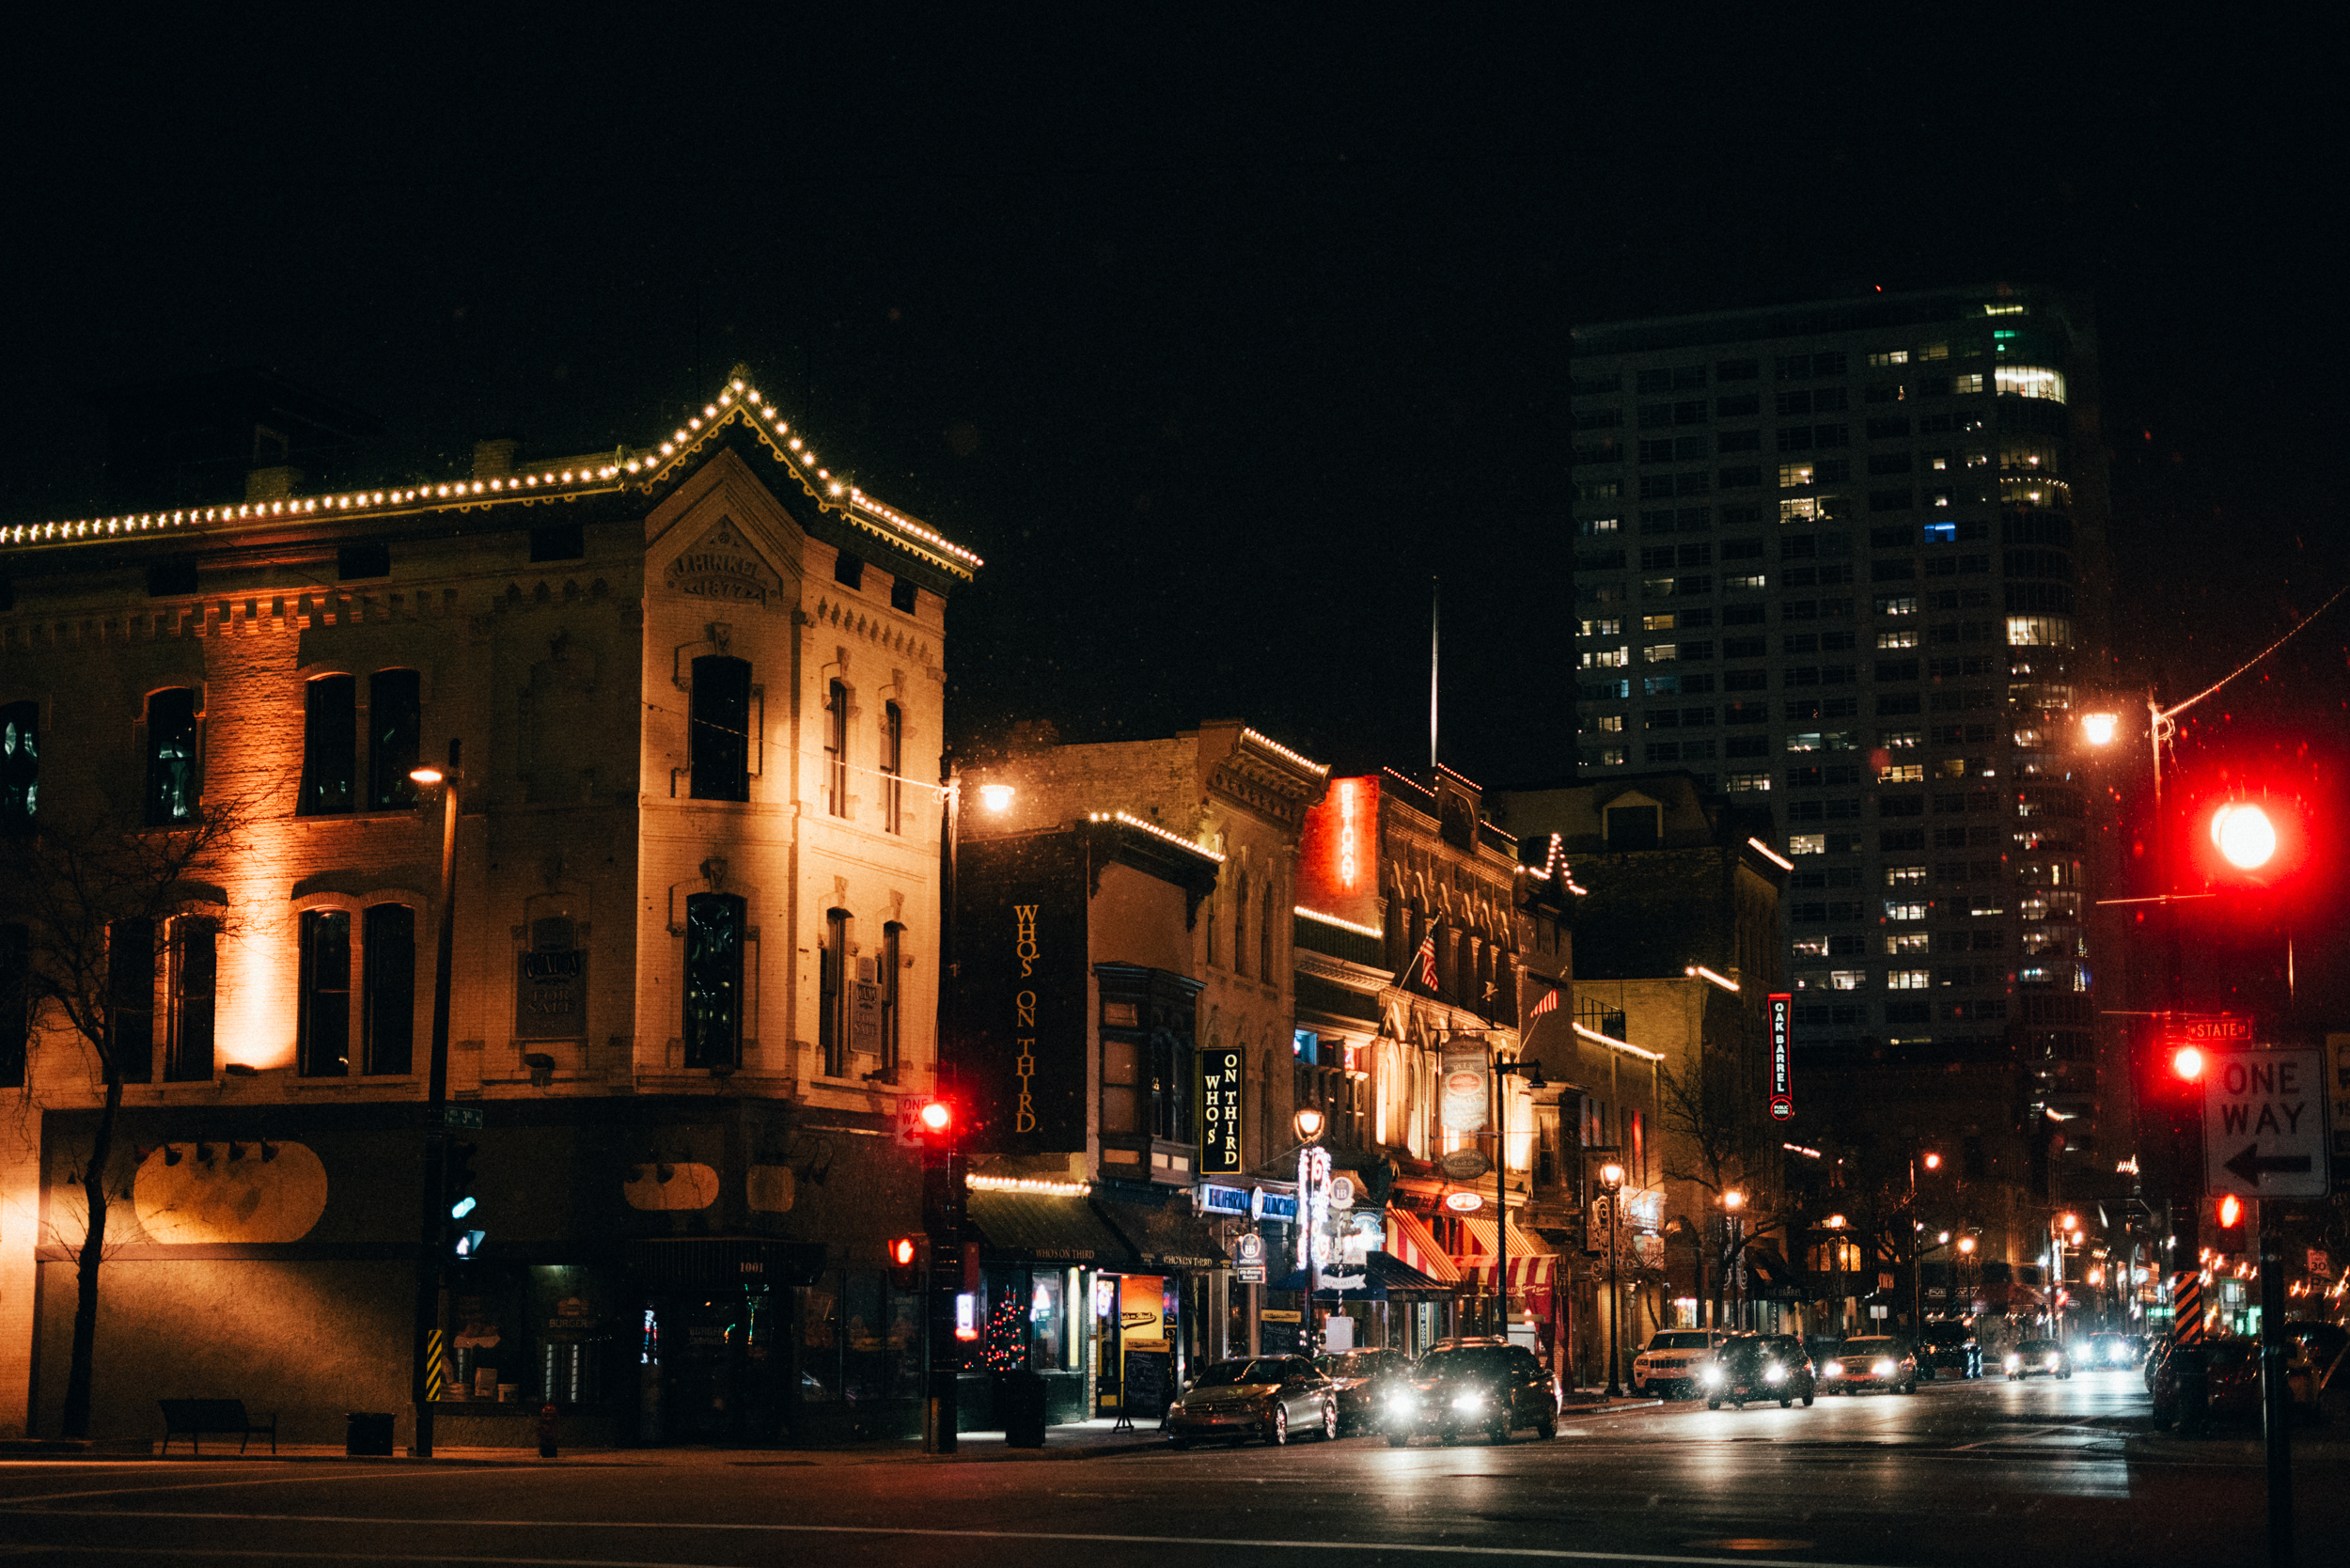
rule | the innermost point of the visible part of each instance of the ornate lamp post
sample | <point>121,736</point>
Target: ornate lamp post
<point>1611,1183</point>
<point>433,1225</point>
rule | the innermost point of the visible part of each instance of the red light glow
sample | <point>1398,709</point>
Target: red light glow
<point>936,1117</point>
<point>2231,1211</point>
<point>2245,838</point>
<point>2187,1062</point>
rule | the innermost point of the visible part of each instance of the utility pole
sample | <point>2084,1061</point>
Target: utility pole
<point>425,1373</point>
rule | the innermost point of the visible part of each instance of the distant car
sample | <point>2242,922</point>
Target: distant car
<point>1752,1367</point>
<point>1473,1385</point>
<point>1949,1344</point>
<point>2038,1358</point>
<point>1262,1396</point>
<point>1674,1360</point>
<point>1871,1361</point>
<point>2109,1353</point>
<point>1364,1378</point>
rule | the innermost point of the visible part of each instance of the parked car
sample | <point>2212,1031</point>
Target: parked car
<point>1364,1379</point>
<point>1752,1368</point>
<point>1871,1361</point>
<point>1480,1385</point>
<point>1264,1396</point>
<point>2038,1358</point>
<point>1949,1344</point>
<point>1674,1360</point>
<point>2232,1376</point>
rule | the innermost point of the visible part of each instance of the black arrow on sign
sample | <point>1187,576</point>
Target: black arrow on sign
<point>2251,1165</point>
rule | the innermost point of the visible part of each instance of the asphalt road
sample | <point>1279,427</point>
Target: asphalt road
<point>2062,1473</point>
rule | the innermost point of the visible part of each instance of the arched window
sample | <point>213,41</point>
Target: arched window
<point>16,1003</point>
<point>19,765</point>
<point>718,738</point>
<point>1240,927</point>
<point>387,978</point>
<point>395,722</point>
<point>330,745</point>
<point>323,994</point>
<point>893,938</point>
<point>837,748</point>
<point>172,783</point>
<point>194,975</point>
<point>832,995</point>
<point>1264,940</point>
<point>713,979</point>
<point>893,746</point>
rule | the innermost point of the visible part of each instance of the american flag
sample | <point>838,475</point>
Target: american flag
<point>1548,1004</point>
<point>1421,969</point>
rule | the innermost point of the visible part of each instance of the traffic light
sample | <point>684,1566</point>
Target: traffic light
<point>457,1180</point>
<point>2231,1211</point>
<point>905,1263</point>
<point>2186,1064</point>
<point>925,1123</point>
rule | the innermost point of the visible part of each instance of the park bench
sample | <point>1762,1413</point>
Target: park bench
<point>195,1417</point>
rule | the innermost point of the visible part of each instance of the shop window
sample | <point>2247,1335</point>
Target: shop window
<point>323,994</point>
<point>893,746</point>
<point>194,976</point>
<point>718,736</point>
<point>713,979</point>
<point>130,999</point>
<point>19,765</point>
<point>330,745</point>
<point>172,783</point>
<point>394,728</point>
<point>387,971</point>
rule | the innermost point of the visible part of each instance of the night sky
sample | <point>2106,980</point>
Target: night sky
<point>1217,334</point>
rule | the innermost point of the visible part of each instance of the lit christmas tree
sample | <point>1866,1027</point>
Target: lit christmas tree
<point>1007,1334</point>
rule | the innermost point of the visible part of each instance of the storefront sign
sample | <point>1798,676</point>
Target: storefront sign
<point>1464,1079</point>
<point>1275,1205</point>
<point>1337,854</point>
<point>1224,1201</point>
<point>1464,1202</point>
<point>1313,1193</point>
<point>1464,1164</point>
<point>1782,1049</point>
<point>1248,1259</point>
<point>1025,998</point>
<point>551,984</point>
<point>1219,1104</point>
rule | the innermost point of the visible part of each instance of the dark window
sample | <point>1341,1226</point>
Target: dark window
<point>131,998</point>
<point>893,748</point>
<point>1738,369</point>
<point>323,994</point>
<point>20,767</point>
<point>1739,441</point>
<point>892,1016</point>
<point>353,561</point>
<point>718,742</point>
<point>387,981</point>
<point>16,1003</point>
<point>1632,827</point>
<point>168,578</point>
<point>902,592</point>
<point>1889,463</point>
<point>171,757</point>
<point>194,975</point>
<point>837,748</point>
<point>832,995</point>
<point>848,570</point>
<point>558,541</point>
<point>1240,927</point>
<point>1264,936</point>
<point>394,725</point>
<point>713,979</point>
<point>1741,407</point>
<point>330,745</point>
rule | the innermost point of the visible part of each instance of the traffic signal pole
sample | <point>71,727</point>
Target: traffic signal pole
<point>2276,1399</point>
<point>942,1207</point>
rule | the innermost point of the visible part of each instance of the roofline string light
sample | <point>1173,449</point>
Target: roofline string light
<point>644,469</point>
<point>1130,819</point>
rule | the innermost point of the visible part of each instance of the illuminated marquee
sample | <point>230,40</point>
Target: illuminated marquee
<point>1782,1047</point>
<point>1338,852</point>
<point>1219,1112</point>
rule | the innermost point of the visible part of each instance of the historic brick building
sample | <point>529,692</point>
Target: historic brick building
<point>700,687</point>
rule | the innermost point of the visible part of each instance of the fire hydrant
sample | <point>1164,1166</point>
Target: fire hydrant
<point>547,1430</point>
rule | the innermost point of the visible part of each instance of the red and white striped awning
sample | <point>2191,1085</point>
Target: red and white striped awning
<point>1533,1267</point>
<point>1408,1238</point>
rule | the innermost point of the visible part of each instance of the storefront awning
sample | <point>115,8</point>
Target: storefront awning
<point>1384,1275</point>
<point>1047,1228</point>
<point>1486,1241</point>
<point>1164,1235</point>
<point>1415,1246</point>
<point>1779,1280</point>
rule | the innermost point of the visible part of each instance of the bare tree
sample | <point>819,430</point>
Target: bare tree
<point>1712,1148</point>
<point>97,904</point>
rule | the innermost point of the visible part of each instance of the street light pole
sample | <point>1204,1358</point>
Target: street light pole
<point>1532,1073</point>
<point>939,1414</point>
<point>1611,1183</point>
<point>432,1222</point>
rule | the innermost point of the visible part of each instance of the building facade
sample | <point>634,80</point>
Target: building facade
<point>699,684</point>
<point>1843,560</point>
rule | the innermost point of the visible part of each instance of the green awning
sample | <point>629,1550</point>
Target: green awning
<point>1047,1228</point>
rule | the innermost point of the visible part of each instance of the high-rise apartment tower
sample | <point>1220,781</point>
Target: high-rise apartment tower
<point>1846,558</point>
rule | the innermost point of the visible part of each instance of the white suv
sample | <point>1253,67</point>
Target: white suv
<point>1674,1359</point>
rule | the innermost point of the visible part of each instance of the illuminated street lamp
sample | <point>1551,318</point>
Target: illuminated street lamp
<point>1611,1183</point>
<point>1309,1122</point>
<point>1734,1224</point>
<point>434,1223</point>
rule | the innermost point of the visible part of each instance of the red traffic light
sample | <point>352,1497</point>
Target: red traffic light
<point>2187,1062</point>
<point>936,1117</point>
<point>2244,835</point>
<point>902,1251</point>
<point>2231,1211</point>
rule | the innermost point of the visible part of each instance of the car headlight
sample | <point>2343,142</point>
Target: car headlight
<point>2053,1362</point>
<point>1404,1401</point>
<point>2013,1362</point>
<point>1774,1373</point>
<point>1469,1404</point>
<point>1834,1368</point>
<point>1713,1374</point>
<point>1881,1368</point>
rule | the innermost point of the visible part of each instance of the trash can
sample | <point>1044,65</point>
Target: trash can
<point>368,1434</point>
<point>1020,1406</point>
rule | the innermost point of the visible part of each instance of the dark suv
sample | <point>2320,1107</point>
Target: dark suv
<point>1949,1345</point>
<point>1753,1368</point>
<point>1473,1385</point>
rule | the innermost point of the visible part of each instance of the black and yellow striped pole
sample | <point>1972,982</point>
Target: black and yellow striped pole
<point>433,1365</point>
